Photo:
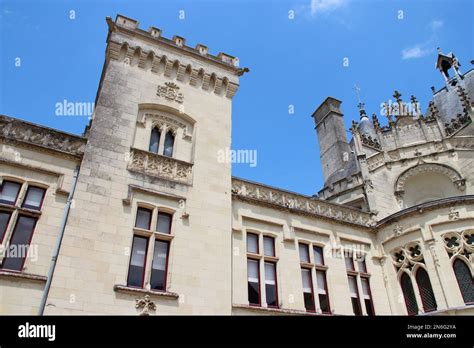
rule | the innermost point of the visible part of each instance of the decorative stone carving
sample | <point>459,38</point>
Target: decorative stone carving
<point>398,230</point>
<point>170,91</point>
<point>286,200</point>
<point>145,305</point>
<point>460,244</point>
<point>453,214</point>
<point>13,130</point>
<point>159,166</point>
<point>406,257</point>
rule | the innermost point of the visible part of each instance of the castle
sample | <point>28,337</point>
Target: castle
<point>138,216</point>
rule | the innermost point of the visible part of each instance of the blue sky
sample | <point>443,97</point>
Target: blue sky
<point>293,61</point>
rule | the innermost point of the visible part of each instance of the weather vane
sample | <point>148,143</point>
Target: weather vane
<point>357,89</point>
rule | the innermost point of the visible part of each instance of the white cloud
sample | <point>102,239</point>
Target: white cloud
<point>436,24</point>
<point>421,50</point>
<point>415,52</point>
<point>320,6</point>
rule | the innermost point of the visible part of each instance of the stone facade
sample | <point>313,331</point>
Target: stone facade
<point>161,89</point>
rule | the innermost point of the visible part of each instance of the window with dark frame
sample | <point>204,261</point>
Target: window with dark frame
<point>308,294</point>
<point>354,291</point>
<point>155,140</point>
<point>136,271</point>
<point>409,294</point>
<point>323,294</point>
<point>268,246</point>
<point>20,241</point>
<point>253,280</point>
<point>270,270</point>
<point>33,198</point>
<point>9,192</point>
<point>367,296</point>
<point>465,280</point>
<point>158,251</point>
<point>426,291</point>
<point>4,220</point>
<point>163,224</point>
<point>271,284</point>
<point>169,144</point>
<point>143,219</point>
<point>252,243</point>
<point>159,265</point>
<point>304,252</point>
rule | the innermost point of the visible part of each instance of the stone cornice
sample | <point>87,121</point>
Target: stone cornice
<point>46,139</point>
<point>421,208</point>
<point>296,203</point>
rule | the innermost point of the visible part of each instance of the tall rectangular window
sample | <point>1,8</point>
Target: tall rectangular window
<point>349,262</point>
<point>163,224</point>
<point>143,218</point>
<point>4,219</point>
<point>323,295</point>
<point>304,252</point>
<point>136,271</point>
<point>253,276</point>
<point>268,246</point>
<point>308,289</point>
<point>367,295</point>
<point>19,243</point>
<point>252,243</point>
<point>33,198</point>
<point>271,290</point>
<point>9,192</point>
<point>318,255</point>
<point>362,265</point>
<point>159,265</point>
<point>354,295</point>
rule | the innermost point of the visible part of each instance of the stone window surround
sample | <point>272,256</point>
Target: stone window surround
<point>16,210</point>
<point>417,261</point>
<point>359,275</point>
<point>313,267</point>
<point>152,235</point>
<point>261,256</point>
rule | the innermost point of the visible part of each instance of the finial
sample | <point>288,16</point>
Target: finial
<point>413,99</point>
<point>433,89</point>
<point>439,50</point>
<point>397,95</point>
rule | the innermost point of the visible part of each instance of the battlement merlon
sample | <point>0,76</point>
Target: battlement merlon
<point>129,28</point>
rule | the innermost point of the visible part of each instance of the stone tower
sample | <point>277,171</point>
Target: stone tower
<point>333,147</point>
<point>163,112</point>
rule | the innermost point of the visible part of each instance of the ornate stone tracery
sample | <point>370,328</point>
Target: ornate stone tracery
<point>407,257</point>
<point>460,244</point>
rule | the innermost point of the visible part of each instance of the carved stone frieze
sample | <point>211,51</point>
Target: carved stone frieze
<point>14,130</point>
<point>163,167</point>
<point>287,200</point>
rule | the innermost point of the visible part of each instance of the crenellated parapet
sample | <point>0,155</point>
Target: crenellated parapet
<point>172,58</point>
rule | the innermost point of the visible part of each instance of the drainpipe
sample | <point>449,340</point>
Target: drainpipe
<point>54,258</point>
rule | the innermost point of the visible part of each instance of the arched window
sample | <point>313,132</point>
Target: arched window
<point>465,282</point>
<point>409,294</point>
<point>154,140</point>
<point>169,144</point>
<point>426,291</point>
